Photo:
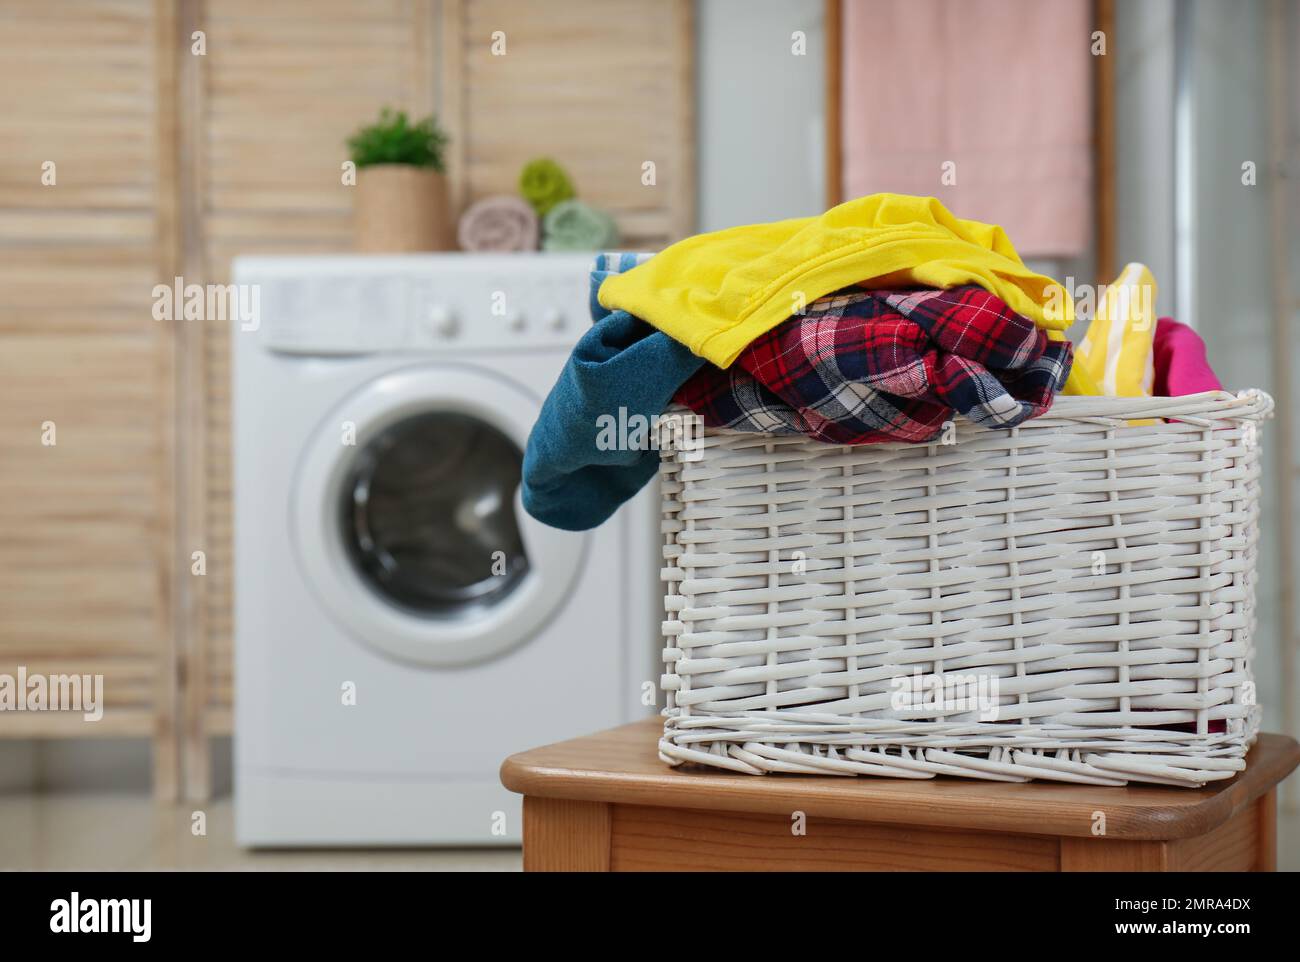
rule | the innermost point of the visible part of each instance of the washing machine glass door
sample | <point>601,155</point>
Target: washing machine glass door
<point>408,523</point>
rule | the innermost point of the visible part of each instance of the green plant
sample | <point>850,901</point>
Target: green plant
<point>395,140</point>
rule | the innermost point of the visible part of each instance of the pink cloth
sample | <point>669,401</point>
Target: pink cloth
<point>1001,88</point>
<point>1181,366</point>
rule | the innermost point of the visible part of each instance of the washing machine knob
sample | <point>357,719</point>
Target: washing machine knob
<point>553,319</point>
<point>442,321</point>
<point>515,321</point>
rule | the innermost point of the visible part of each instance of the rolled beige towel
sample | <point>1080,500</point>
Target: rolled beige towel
<point>502,223</point>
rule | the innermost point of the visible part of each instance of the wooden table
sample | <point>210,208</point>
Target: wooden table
<point>607,803</point>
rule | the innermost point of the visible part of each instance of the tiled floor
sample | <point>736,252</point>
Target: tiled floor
<point>129,832</point>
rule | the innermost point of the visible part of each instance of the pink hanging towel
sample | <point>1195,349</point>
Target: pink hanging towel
<point>984,104</point>
<point>1181,366</point>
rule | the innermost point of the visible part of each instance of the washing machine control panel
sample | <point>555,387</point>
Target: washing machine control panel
<point>437,303</point>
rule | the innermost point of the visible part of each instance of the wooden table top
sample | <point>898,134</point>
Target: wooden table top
<point>622,766</point>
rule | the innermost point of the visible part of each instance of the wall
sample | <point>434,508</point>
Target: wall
<point>761,111</point>
<point>1143,46</point>
<point>1232,279</point>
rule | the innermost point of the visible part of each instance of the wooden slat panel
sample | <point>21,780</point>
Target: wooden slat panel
<point>117,722</point>
<point>85,549</point>
<point>293,12</point>
<point>78,91</point>
<point>120,692</point>
<point>76,284</point>
<point>540,99</point>
<point>191,417</point>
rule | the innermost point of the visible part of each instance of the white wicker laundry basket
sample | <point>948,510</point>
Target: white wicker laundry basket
<point>1071,599</point>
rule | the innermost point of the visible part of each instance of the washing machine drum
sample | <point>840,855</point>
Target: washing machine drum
<point>429,517</point>
<point>408,522</point>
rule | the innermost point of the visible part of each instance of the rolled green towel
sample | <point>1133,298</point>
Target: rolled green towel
<point>544,184</point>
<point>573,226</point>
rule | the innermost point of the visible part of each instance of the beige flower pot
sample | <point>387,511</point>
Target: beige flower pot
<point>399,208</point>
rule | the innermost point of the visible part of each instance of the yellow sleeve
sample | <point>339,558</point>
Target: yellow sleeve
<point>1079,382</point>
<point>1115,356</point>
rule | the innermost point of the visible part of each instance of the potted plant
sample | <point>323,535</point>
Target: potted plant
<point>401,191</point>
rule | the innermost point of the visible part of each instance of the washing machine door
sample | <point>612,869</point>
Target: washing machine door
<point>408,524</point>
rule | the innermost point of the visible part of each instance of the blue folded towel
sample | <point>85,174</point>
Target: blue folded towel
<point>569,480</point>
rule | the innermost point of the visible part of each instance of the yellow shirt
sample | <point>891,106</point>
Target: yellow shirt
<point>716,292</point>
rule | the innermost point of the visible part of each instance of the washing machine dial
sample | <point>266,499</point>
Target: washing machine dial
<point>442,321</point>
<point>553,318</point>
<point>515,321</point>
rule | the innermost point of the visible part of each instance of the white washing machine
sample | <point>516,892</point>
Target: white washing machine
<point>401,625</point>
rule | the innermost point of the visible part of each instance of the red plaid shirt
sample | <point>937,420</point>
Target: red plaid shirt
<point>862,367</point>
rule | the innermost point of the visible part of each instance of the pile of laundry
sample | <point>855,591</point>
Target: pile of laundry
<point>875,322</point>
